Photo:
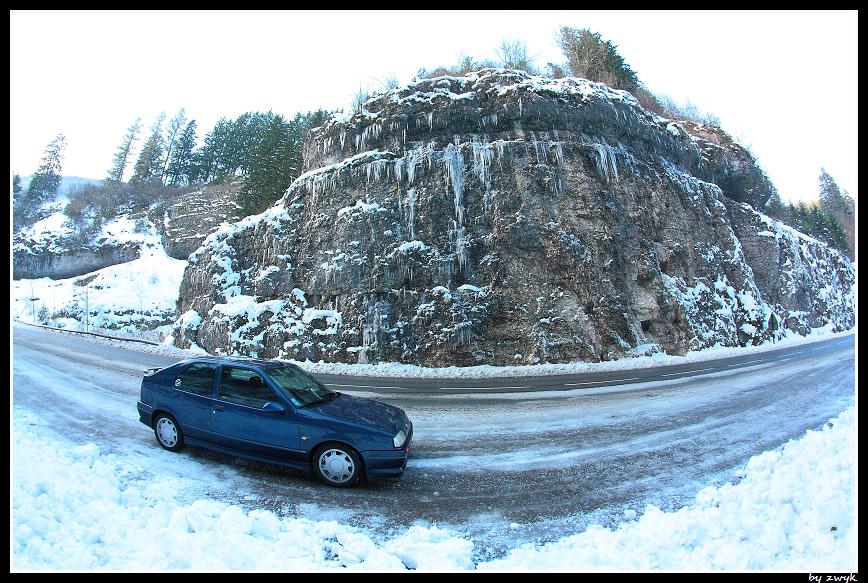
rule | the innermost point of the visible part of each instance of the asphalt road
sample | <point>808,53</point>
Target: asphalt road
<point>503,460</point>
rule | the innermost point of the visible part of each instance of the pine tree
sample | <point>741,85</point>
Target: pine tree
<point>181,166</point>
<point>271,150</point>
<point>174,133</point>
<point>840,210</point>
<point>589,56</point>
<point>45,183</point>
<point>267,170</point>
<point>208,159</point>
<point>148,166</point>
<point>775,208</point>
<point>122,156</point>
<point>831,199</point>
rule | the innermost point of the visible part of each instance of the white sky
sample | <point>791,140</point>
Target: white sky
<point>784,83</point>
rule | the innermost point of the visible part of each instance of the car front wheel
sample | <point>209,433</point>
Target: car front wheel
<point>337,465</point>
<point>168,433</point>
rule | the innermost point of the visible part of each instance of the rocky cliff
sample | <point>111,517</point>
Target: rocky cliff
<point>501,218</point>
<point>194,215</point>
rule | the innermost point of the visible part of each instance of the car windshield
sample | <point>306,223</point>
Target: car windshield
<point>302,389</point>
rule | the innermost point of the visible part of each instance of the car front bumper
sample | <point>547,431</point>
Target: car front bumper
<point>388,463</point>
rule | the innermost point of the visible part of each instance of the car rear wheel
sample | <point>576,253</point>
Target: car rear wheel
<point>337,465</point>
<point>168,433</point>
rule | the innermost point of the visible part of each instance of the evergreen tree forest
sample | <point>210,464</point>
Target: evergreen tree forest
<point>263,149</point>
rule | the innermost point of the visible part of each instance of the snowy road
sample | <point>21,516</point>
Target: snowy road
<point>504,465</point>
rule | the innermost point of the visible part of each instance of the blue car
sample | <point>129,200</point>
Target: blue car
<point>272,411</point>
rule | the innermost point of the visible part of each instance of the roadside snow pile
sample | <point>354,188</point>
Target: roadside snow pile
<point>76,508</point>
<point>653,358</point>
<point>794,510</point>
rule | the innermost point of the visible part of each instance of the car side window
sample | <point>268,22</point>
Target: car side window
<point>198,378</point>
<point>244,387</point>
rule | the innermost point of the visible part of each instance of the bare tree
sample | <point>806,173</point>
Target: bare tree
<point>513,55</point>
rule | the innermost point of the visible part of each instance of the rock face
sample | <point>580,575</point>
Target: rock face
<point>499,218</point>
<point>62,263</point>
<point>195,215</point>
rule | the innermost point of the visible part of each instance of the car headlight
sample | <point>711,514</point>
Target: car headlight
<point>399,438</point>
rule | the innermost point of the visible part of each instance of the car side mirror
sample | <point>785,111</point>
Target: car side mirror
<point>274,407</point>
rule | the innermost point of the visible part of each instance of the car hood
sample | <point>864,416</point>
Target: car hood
<point>362,411</point>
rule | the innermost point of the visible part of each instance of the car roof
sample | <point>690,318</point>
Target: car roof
<point>264,363</point>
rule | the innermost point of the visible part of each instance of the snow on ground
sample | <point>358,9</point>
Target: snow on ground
<point>75,507</point>
<point>51,227</point>
<point>784,515</point>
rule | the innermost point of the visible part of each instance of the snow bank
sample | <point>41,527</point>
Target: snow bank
<point>794,510</point>
<point>74,507</point>
<point>406,371</point>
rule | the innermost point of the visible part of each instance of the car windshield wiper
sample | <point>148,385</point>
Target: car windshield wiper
<point>328,397</point>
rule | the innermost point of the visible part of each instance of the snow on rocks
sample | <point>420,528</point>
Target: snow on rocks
<point>528,188</point>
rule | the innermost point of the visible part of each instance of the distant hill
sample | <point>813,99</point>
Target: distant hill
<point>66,184</point>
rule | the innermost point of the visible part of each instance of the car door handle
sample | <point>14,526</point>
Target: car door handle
<point>218,408</point>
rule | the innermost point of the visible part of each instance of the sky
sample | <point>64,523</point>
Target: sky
<point>784,83</point>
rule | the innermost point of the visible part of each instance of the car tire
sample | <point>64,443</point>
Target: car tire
<point>168,432</point>
<point>337,465</point>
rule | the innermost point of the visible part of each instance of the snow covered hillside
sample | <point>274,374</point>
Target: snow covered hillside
<point>133,297</point>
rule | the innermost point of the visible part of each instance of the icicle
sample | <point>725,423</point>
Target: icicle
<point>488,201</point>
<point>411,213</point>
<point>377,169</point>
<point>454,162</point>
<point>429,154</point>
<point>559,153</point>
<point>606,160</point>
<point>501,146</point>
<point>483,153</point>
<point>459,336</point>
<point>414,159</point>
<point>399,166</point>
<point>460,245</point>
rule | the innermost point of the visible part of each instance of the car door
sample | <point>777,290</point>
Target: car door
<point>242,418</point>
<point>191,397</point>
